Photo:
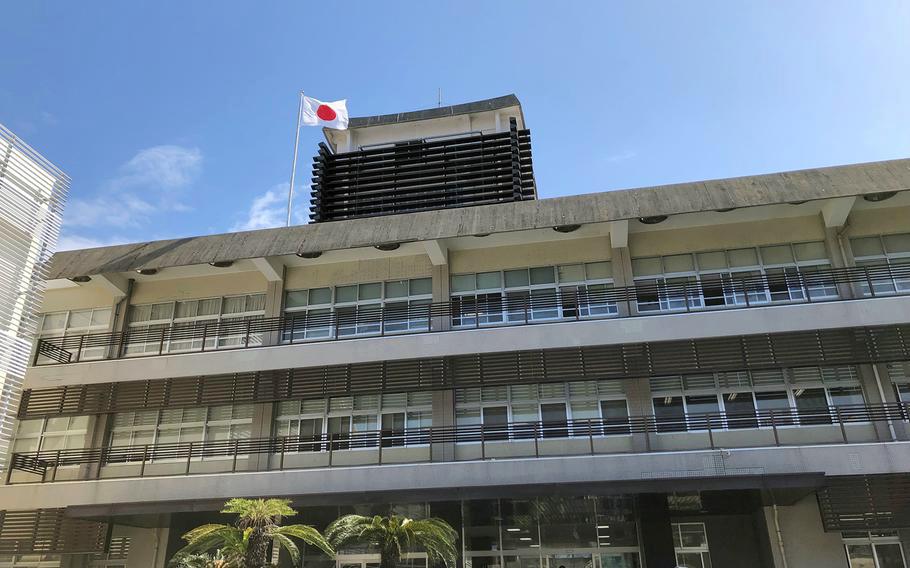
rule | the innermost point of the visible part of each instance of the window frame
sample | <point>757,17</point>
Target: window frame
<point>492,306</point>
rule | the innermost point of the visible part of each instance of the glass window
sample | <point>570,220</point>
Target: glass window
<point>517,278</point>
<point>669,414</point>
<point>679,263</point>
<point>571,273</point>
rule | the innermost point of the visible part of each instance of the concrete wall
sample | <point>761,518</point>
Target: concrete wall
<point>720,236</point>
<point>163,290</point>
<point>482,121</point>
<point>536,254</point>
<point>878,221</point>
<point>147,545</point>
<point>374,270</point>
<point>77,297</point>
<point>805,542</point>
<point>688,468</point>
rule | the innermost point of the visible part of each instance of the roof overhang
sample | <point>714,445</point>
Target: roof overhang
<point>706,198</point>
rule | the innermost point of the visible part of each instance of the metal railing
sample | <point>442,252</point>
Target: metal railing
<point>725,291</point>
<point>529,439</point>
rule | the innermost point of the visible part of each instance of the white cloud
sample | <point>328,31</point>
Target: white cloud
<point>270,209</point>
<point>160,172</point>
<point>74,242</point>
<point>621,156</point>
<point>165,167</point>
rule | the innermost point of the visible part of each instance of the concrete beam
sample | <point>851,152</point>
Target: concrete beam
<point>272,269</point>
<point>619,233</point>
<point>836,211</point>
<point>115,284</point>
<point>437,251</point>
<point>461,477</point>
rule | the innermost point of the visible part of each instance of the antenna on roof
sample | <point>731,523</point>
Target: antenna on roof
<point>439,97</point>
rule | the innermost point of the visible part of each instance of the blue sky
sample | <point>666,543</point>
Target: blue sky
<point>176,118</point>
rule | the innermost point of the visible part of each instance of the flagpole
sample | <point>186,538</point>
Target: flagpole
<point>294,166</point>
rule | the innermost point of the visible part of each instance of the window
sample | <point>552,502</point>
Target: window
<point>396,306</point>
<point>744,399</point>
<point>222,319</point>
<point>181,425</point>
<point>690,541</point>
<point>715,279</point>
<point>548,410</point>
<point>533,294</point>
<point>887,257</point>
<point>49,434</point>
<point>877,549</point>
<point>899,373</point>
<point>76,322</point>
<point>353,421</point>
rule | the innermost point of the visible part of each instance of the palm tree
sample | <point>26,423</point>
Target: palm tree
<point>246,543</point>
<point>395,536</point>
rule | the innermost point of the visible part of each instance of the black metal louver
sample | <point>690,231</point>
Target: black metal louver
<point>865,502</point>
<point>422,175</point>
<point>49,531</point>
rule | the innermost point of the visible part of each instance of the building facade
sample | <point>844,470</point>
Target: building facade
<point>704,374</point>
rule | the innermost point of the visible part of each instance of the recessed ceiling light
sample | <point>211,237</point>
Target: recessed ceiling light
<point>524,538</point>
<point>81,279</point>
<point>222,263</point>
<point>603,526</point>
<point>566,228</point>
<point>513,530</point>
<point>388,246</point>
<point>653,220</point>
<point>311,254</point>
<point>876,197</point>
<point>147,271</point>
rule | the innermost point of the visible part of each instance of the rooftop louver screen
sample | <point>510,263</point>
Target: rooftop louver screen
<point>422,175</point>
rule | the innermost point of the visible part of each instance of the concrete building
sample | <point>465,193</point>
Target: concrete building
<point>705,374</point>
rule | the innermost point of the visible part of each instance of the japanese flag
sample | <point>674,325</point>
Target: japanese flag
<point>330,115</point>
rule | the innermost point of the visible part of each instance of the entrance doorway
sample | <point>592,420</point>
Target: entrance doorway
<point>415,560</point>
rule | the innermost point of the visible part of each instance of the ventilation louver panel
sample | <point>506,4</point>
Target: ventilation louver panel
<point>422,175</point>
<point>865,502</point>
<point>49,531</point>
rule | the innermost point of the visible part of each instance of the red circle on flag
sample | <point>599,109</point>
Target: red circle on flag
<point>325,112</point>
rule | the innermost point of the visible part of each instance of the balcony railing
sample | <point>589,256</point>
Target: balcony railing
<point>726,291</point>
<point>758,428</point>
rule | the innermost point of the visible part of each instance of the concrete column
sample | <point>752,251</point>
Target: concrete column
<point>95,437</point>
<point>802,538</point>
<point>622,277</point>
<point>441,294</point>
<point>656,533</point>
<point>443,417</point>
<point>274,306</point>
<point>263,416</point>
<point>120,318</point>
<point>877,388</point>
<point>838,260</point>
<point>638,397</point>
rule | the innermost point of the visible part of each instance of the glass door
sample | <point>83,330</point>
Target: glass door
<point>416,560</point>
